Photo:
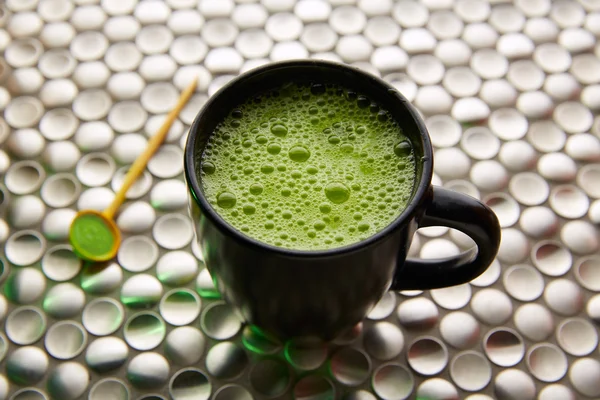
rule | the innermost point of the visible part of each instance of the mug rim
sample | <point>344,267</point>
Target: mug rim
<point>193,182</point>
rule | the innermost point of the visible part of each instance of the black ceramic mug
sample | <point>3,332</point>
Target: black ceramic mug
<point>321,293</point>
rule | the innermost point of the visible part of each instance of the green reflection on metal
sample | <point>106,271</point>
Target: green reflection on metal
<point>258,341</point>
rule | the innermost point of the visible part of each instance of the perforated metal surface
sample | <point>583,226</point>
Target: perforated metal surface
<point>510,93</point>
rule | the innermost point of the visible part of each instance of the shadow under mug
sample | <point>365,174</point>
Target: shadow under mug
<point>322,293</point>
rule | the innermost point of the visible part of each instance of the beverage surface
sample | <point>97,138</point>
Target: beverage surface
<point>308,167</point>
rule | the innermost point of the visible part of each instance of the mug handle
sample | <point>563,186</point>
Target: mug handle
<point>468,215</point>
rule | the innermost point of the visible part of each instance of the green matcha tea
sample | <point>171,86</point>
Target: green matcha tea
<point>308,167</point>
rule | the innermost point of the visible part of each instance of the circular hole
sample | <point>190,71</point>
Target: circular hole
<point>547,362</point>
<point>161,97</point>
<point>427,356</point>
<point>508,124</point>
<point>24,111</point>
<point>384,341</point>
<point>95,169</point>
<point>173,231</point>
<point>144,331</point>
<point>24,177</point>
<point>392,381</point>
<point>150,370</point>
<point>60,190</point>
<point>226,360</point>
<point>314,387</point>
<point>102,316</point>
<point>25,286</point>
<point>551,258</point>
<point>184,345</point>
<point>137,253</point>
<point>577,337</point>
<point>588,179</point>
<point>505,207</point>
<point>141,291</point>
<point>58,124</point>
<point>127,116</point>
<point>232,392</point>
<point>470,371</point>
<point>569,201</point>
<point>25,325</point>
<point>109,388</point>
<point>306,353</point>
<point>545,136</point>
<point>504,347</point>
<point>587,272</point>
<point>384,307</point>
<point>523,282</point>
<point>529,188</point>
<point>139,188</point>
<point>106,354</point>
<point>65,340</point>
<point>92,105</point>
<point>350,366</point>
<point>180,307</point>
<point>573,117</point>
<point>219,321</point>
<point>270,378</point>
<point>29,394</point>
<point>60,263</point>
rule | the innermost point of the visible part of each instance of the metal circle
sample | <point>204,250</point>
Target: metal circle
<point>173,231</point>
<point>504,347</point>
<point>505,207</point>
<point>109,388</point>
<point>547,362</point>
<point>141,291</point>
<point>149,370</point>
<point>513,383</point>
<point>452,298</point>
<point>60,263</point>
<point>26,211</point>
<point>349,366</point>
<point>306,353</point>
<point>184,345</point>
<point>384,341</point>
<point>564,297</point>
<point>556,391</point>
<point>137,253</point>
<point>437,387</point>
<point>60,190</point>
<point>102,316</point>
<point>95,169</point>
<point>529,188</point>
<point>29,394</point>
<point>139,188</point>
<point>471,371</point>
<point>588,178</point>
<point>523,282</point>
<point>65,340</point>
<point>219,321</point>
<point>136,217</point>
<point>24,177</point>
<point>25,325</point>
<point>392,382</point>
<point>168,195</point>
<point>64,300</point>
<point>68,381</point>
<point>384,307</point>
<point>491,306</point>
<point>417,314</point>
<point>180,306</point>
<point>314,387</point>
<point>25,286</point>
<point>427,356</point>
<point>514,246</point>
<point>144,330</point>
<point>190,384</point>
<point>254,339</point>
<point>584,374</point>
<point>101,278</point>
<point>176,268</point>
<point>444,131</point>
<point>270,377</point>
<point>232,392</point>
<point>577,336</point>
<point>551,258</point>
<point>27,365</point>
<point>479,143</point>
<point>579,236</point>
<point>587,272</point>
<point>226,360</point>
<point>459,329</point>
<point>534,321</point>
<point>106,354</point>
